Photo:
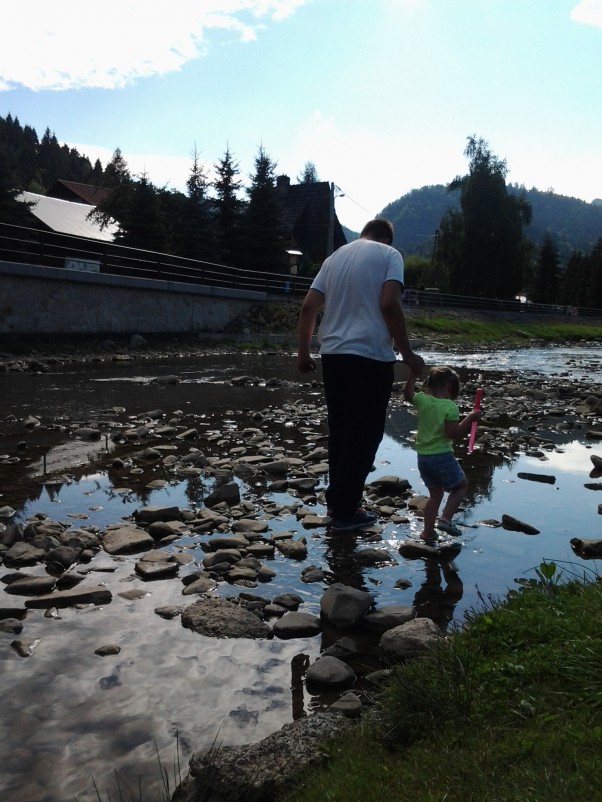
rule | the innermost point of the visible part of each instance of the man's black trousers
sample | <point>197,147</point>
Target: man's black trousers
<point>357,391</point>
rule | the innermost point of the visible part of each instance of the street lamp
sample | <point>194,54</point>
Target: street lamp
<point>293,256</point>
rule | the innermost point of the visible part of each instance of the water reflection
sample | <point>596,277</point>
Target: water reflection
<point>439,593</point>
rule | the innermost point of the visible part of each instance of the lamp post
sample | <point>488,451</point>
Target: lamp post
<point>293,256</point>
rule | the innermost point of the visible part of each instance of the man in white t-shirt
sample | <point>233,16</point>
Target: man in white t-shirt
<point>360,286</point>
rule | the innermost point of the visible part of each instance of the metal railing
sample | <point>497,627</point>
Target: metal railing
<point>49,249</point>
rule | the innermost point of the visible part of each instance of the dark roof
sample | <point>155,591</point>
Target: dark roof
<point>79,193</point>
<point>306,217</point>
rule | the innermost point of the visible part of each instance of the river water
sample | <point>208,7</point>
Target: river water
<point>70,718</point>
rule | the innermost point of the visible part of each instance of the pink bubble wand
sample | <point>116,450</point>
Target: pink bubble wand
<point>473,428</point>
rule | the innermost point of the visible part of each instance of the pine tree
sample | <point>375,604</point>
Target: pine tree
<point>264,236</point>
<point>195,238</point>
<point>228,211</point>
<point>547,276</point>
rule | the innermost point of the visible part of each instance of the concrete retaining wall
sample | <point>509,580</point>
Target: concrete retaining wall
<point>47,300</point>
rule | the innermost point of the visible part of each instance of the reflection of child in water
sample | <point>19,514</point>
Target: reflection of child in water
<point>438,424</point>
<point>434,601</point>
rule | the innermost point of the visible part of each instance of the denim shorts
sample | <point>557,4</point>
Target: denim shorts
<point>440,470</point>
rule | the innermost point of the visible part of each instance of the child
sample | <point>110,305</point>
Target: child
<point>438,425</point>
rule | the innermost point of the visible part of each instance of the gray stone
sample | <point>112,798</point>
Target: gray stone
<point>126,540</point>
<point>297,625</point>
<point>411,639</point>
<point>265,770</point>
<point>68,598</point>
<point>218,618</point>
<point>330,671</point>
<point>344,606</point>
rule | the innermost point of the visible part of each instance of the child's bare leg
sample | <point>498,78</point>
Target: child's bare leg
<point>453,501</point>
<point>431,508</point>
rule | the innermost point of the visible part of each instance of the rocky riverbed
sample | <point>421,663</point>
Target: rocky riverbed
<point>244,555</point>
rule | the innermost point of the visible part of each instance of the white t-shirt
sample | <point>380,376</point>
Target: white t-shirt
<point>351,281</point>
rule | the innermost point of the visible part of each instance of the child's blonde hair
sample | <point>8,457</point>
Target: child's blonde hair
<point>442,376</point>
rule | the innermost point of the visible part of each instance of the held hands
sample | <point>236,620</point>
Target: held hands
<point>306,364</point>
<point>415,363</point>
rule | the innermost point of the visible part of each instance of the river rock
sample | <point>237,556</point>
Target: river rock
<point>149,514</point>
<point>31,586</point>
<point>68,598</point>
<point>126,540</point>
<point>410,640</point>
<point>297,625</point>
<point>291,548</point>
<point>265,770</point>
<point>508,522</point>
<point>344,606</point>
<point>388,617</point>
<point>228,493</point>
<point>350,705</point>
<point>218,618</point>
<point>21,553</point>
<point>587,548</point>
<point>330,671</point>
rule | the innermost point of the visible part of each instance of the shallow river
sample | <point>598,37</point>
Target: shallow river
<point>71,718</point>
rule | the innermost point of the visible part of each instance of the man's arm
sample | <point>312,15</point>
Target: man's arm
<point>392,312</point>
<point>306,323</point>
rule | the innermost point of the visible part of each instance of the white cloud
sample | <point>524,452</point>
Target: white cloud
<point>588,12</point>
<point>71,44</point>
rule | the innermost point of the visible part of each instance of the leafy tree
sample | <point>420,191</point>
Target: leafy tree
<point>264,236</point>
<point>228,217</point>
<point>487,256</point>
<point>547,273</point>
<point>309,175</point>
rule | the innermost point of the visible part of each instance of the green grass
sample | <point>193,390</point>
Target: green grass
<point>458,330</point>
<point>507,709</point>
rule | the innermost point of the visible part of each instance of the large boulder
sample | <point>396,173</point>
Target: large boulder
<point>263,771</point>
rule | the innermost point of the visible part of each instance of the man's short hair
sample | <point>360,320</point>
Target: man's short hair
<point>378,229</point>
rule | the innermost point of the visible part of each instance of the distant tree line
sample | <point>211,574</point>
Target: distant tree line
<point>480,247</point>
<point>210,222</point>
<point>471,235</point>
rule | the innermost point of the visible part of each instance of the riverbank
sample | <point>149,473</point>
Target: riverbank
<point>272,326</point>
<point>496,713</point>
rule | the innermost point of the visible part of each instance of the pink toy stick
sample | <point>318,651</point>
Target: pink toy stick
<point>473,428</point>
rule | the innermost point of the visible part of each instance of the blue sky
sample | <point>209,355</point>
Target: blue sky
<point>381,95</point>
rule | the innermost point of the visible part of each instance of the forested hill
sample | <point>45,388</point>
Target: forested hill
<point>574,224</point>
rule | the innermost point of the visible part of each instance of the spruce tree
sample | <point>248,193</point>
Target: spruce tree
<point>228,211</point>
<point>548,268</point>
<point>264,236</point>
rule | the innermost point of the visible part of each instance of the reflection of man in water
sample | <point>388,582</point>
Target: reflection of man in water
<point>299,665</point>
<point>434,601</point>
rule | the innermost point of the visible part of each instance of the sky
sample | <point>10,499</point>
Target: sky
<point>380,95</point>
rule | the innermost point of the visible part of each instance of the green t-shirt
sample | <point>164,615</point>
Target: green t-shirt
<point>432,414</point>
